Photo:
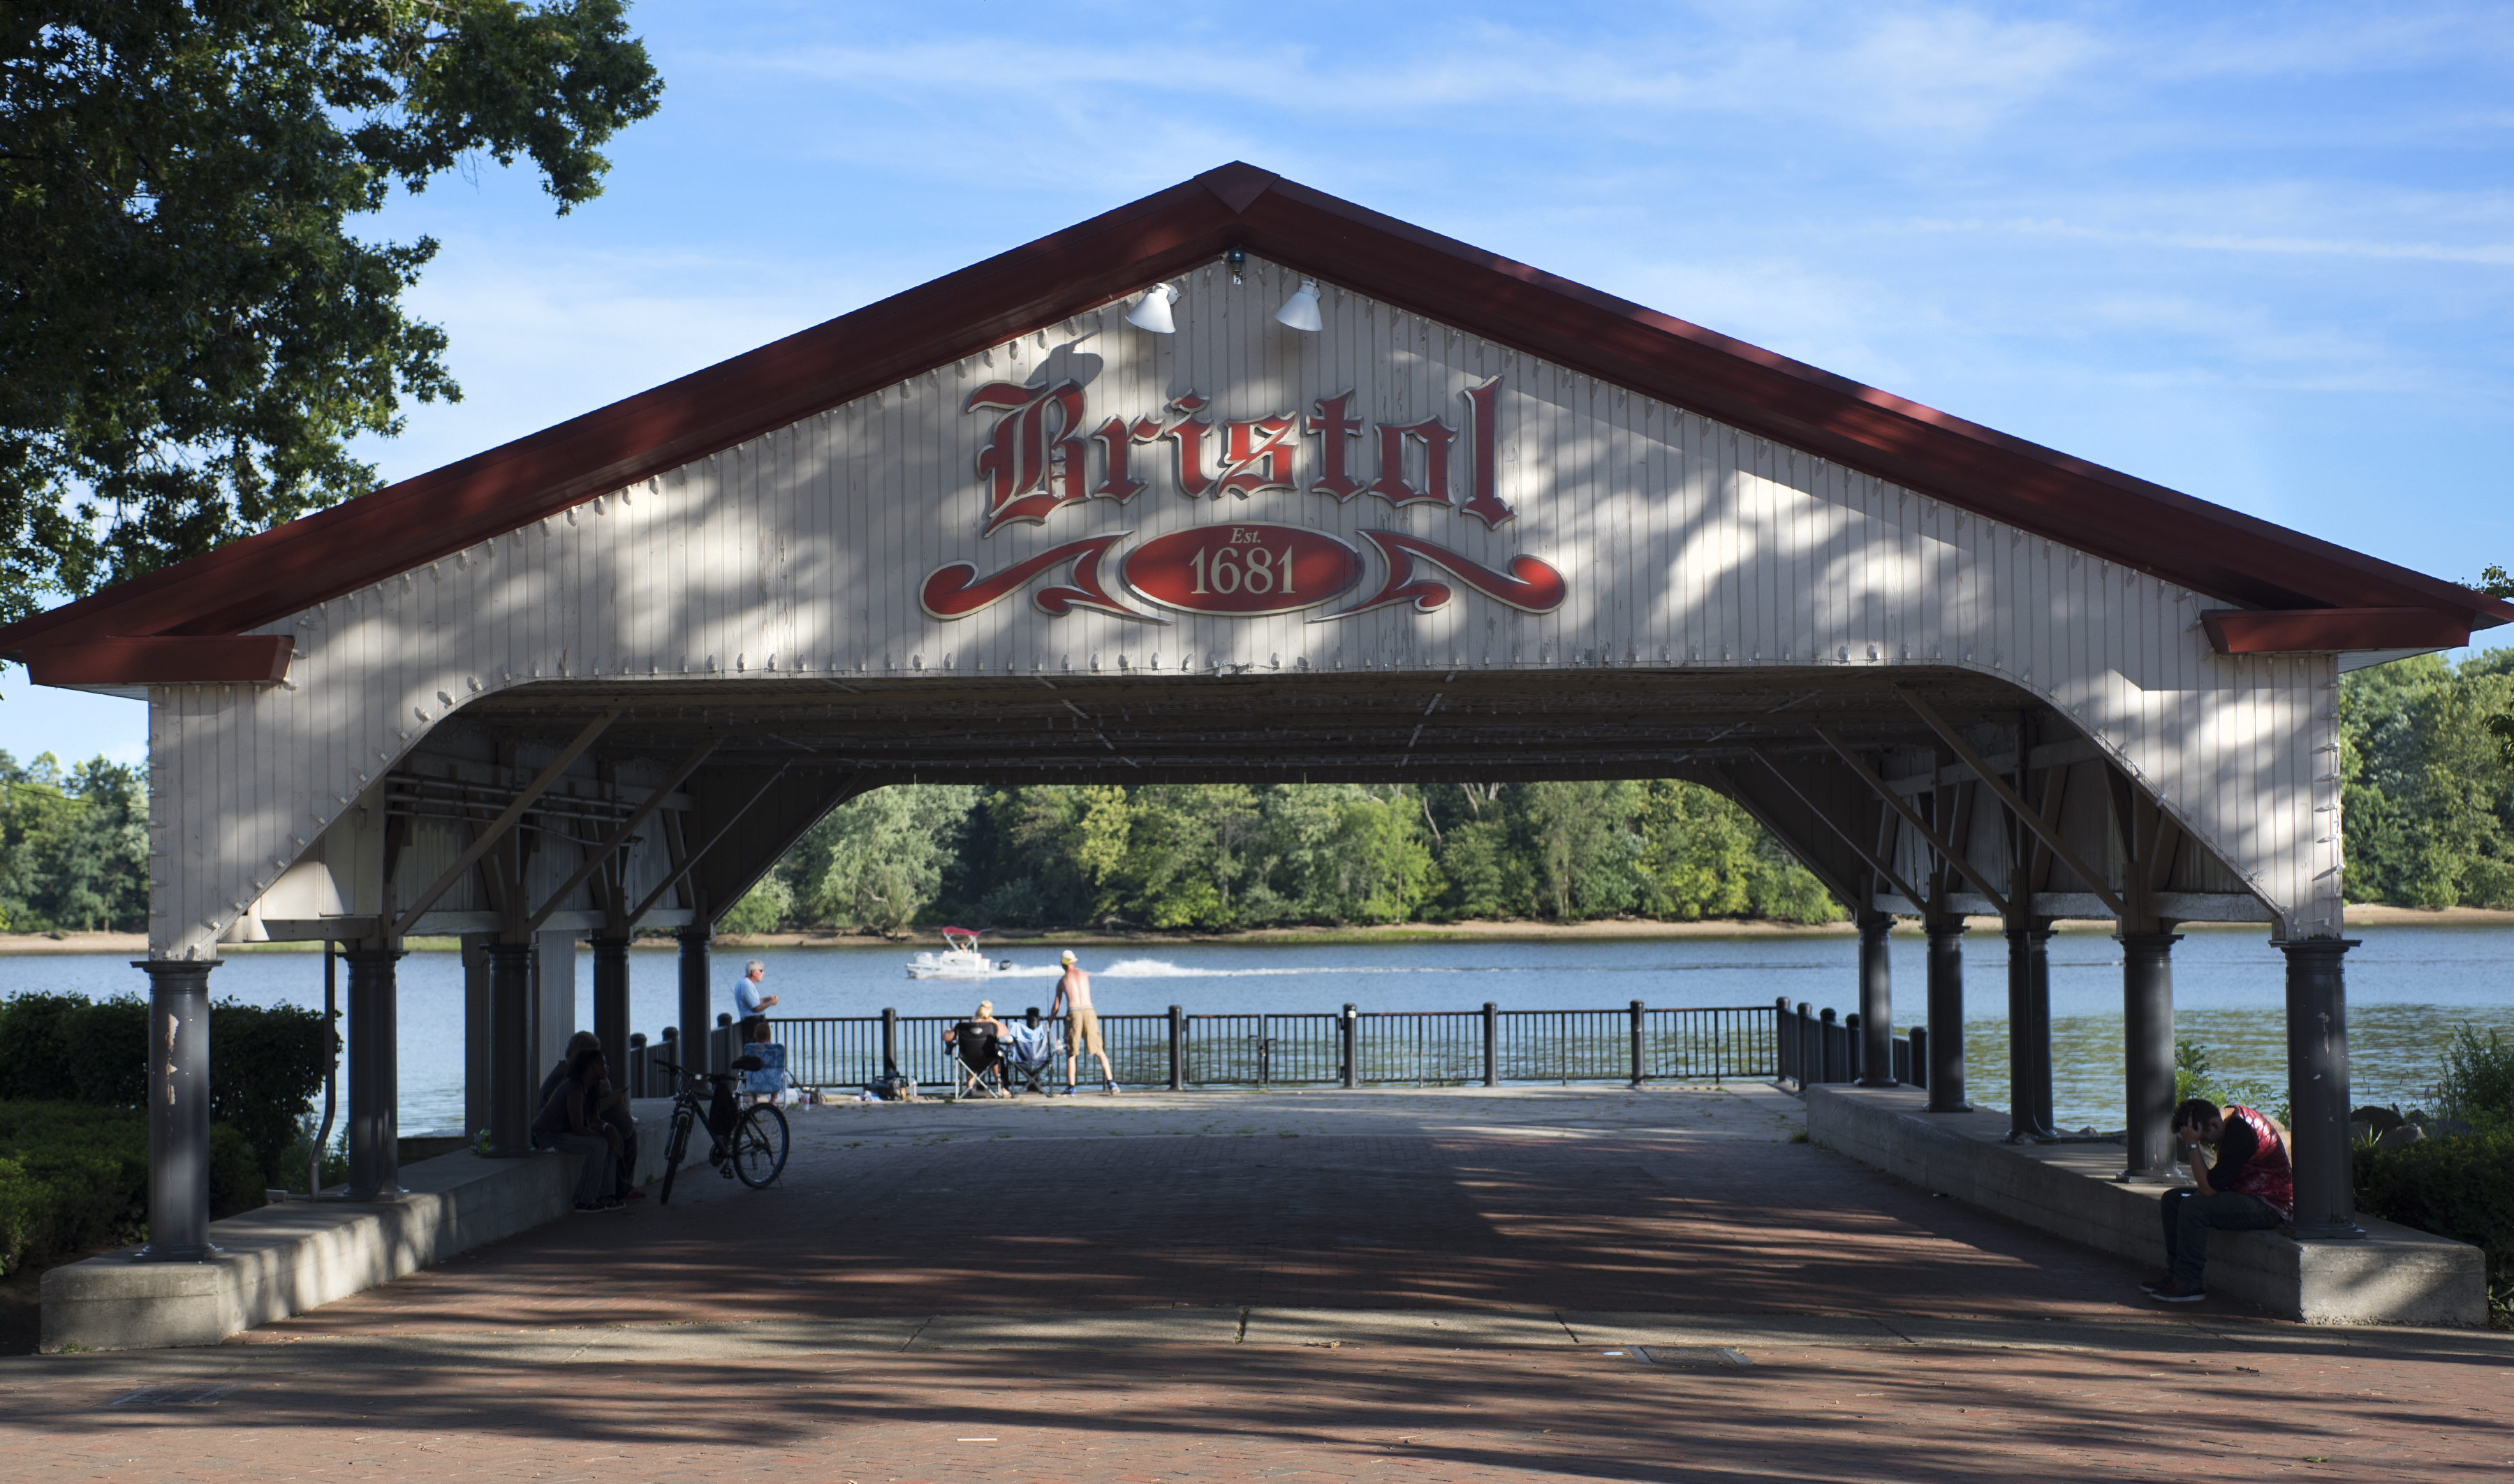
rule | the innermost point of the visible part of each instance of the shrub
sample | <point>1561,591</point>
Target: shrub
<point>74,1176</point>
<point>2460,1187</point>
<point>266,1064</point>
<point>2477,1085</point>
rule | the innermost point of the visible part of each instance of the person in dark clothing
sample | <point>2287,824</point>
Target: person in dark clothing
<point>567,1122</point>
<point>2249,1187</point>
<point>611,1108</point>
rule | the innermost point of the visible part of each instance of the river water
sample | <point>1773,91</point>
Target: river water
<point>2408,989</point>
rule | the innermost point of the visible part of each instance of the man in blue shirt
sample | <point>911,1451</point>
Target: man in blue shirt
<point>748,1004</point>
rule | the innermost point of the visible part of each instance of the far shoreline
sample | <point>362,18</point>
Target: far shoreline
<point>1603,929</point>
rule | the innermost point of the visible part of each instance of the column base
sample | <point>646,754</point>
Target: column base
<point>158,1252</point>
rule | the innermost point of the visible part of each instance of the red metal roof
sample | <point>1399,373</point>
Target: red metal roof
<point>2190,542</point>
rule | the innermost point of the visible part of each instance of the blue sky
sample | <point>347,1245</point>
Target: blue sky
<point>2263,255</point>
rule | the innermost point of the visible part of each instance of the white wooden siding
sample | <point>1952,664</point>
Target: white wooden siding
<point>1687,543</point>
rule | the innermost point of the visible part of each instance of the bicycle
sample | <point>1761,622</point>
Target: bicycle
<point>746,1144</point>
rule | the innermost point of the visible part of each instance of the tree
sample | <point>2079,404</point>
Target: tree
<point>2498,583</point>
<point>876,860</point>
<point>188,333</point>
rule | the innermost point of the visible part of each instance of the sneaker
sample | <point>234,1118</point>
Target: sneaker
<point>1110,1087</point>
<point>2175,1292</point>
<point>631,1194</point>
<point>2151,1285</point>
<point>587,1208</point>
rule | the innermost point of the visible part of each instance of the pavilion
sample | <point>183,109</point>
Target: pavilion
<point>1238,482</point>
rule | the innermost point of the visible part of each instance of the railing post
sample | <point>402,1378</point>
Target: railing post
<point>1901,1052</point>
<point>1636,1043</point>
<point>1178,1050</point>
<point>1785,1061</point>
<point>1492,1045</point>
<point>1920,1057</point>
<point>889,1043</point>
<point>637,1063</point>
<point>1856,1052</point>
<point>1351,1026</point>
<point>1810,1049</point>
<point>1830,1030</point>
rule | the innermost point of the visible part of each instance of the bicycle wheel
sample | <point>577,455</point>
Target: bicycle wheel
<point>759,1145</point>
<point>676,1149</point>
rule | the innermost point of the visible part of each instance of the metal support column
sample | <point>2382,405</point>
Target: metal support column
<point>2147,1054</point>
<point>611,999</point>
<point>695,1018</point>
<point>1351,1026</point>
<point>2317,1088</point>
<point>1946,1019</point>
<point>374,1077</point>
<point>511,1074</point>
<point>2029,1032</point>
<point>1492,1049</point>
<point>889,1042</point>
<point>1875,1002</point>
<point>179,1110</point>
<point>1638,1069</point>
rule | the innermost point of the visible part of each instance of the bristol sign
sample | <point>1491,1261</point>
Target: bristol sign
<point>1044,455</point>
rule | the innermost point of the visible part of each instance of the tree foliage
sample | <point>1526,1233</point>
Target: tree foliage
<point>188,333</point>
<point>2429,806</point>
<point>73,846</point>
<point>1223,855</point>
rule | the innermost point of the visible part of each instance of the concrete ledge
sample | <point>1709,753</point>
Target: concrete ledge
<point>2394,1276</point>
<point>287,1259</point>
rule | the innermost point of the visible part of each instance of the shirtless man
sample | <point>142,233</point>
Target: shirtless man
<point>1073,995</point>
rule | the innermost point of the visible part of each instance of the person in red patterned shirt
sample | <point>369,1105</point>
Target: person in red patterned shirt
<point>2249,1187</point>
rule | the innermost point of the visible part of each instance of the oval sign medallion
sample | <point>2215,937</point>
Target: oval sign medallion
<point>1242,569</point>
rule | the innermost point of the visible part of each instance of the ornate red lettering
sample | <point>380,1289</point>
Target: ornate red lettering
<point>1025,453</point>
<point>1187,434</point>
<point>1531,585</point>
<point>1117,438</point>
<point>1391,486</point>
<point>955,590</point>
<point>1332,426</point>
<point>1257,456</point>
<point>1483,503</point>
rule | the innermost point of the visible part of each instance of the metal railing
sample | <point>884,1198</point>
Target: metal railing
<point>1350,1047</point>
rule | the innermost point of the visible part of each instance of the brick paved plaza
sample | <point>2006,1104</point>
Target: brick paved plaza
<point>1462,1285</point>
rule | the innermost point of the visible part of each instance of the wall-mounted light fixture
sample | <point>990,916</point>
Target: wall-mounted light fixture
<point>1238,259</point>
<point>1153,312</point>
<point>1301,310</point>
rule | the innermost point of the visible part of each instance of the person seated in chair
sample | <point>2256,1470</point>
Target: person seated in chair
<point>977,1044</point>
<point>610,1107</point>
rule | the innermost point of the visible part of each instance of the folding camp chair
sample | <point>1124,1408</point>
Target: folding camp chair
<point>981,1061</point>
<point>1029,1053</point>
<point>769,1080</point>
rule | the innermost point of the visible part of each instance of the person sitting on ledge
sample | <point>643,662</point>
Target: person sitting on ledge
<point>2248,1189</point>
<point>568,1122</point>
<point>610,1105</point>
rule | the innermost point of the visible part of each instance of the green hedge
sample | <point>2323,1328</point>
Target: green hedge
<point>74,1176</point>
<point>266,1065</point>
<point>2460,1186</point>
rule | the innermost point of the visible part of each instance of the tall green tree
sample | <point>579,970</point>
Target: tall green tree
<point>189,335</point>
<point>2498,583</point>
<point>73,846</point>
<point>2429,812</point>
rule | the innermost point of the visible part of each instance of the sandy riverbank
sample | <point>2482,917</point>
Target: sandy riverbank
<point>2360,915</point>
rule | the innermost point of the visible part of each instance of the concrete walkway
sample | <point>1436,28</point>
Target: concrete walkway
<point>1584,1283</point>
